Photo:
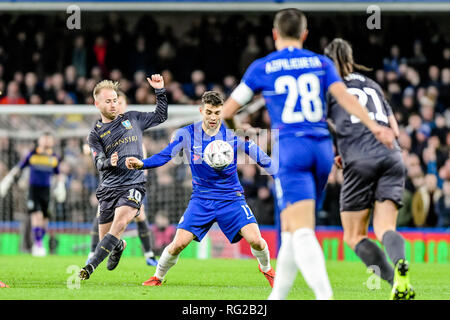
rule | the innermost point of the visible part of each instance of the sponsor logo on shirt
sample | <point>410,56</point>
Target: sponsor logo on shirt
<point>105,133</point>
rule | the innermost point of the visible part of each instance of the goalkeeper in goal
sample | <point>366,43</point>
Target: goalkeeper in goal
<point>43,164</point>
<point>218,196</point>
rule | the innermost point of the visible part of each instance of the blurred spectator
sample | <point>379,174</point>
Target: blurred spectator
<point>139,59</point>
<point>162,232</point>
<point>79,56</point>
<point>250,53</point>
<point>197,78</point>
<point>31,88</point>
<point>418,60</point>
<point>445,63</point>
<point>424,203</point>
<point>444,88</point>
<point>100,49</point>
<point>443,207</point>
<point>392,62</point>
<point>13,95</point>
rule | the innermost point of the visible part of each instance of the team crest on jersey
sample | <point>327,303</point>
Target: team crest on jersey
<point>127,124</point>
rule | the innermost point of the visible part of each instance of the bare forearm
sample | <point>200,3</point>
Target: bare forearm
<point>230,108</point>
<point>351,104</point>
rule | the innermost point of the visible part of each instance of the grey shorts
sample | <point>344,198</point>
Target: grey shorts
<point>111,198</point>
<point>373,179</point>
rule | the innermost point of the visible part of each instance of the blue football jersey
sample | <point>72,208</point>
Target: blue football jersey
<point>207,182</point>
<point>294,83</point>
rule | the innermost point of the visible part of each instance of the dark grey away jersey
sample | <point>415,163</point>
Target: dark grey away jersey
<point>354,139</point>
<point>124,136</point>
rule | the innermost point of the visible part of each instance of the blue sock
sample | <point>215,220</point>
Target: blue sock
<point>38,235</point>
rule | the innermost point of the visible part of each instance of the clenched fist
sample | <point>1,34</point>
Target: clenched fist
<point>133,163</point>
<point>156,81</point>
<point>114,159</point>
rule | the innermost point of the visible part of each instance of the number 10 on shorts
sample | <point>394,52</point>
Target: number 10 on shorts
<point>135,196</point>
<point>248,211</point>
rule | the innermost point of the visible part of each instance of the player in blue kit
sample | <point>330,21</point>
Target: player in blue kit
<point>294,83</point>
<point>217,194</point>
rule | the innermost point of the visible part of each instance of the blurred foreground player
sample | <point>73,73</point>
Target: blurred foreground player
<point>141,220</point>
<point>374,176</point>
<point>43,164</point>
<point>294,83</point>
<point>115,137</point>
<point>217,193</point>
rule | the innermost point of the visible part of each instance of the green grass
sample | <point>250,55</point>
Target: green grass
<point>191,279</point>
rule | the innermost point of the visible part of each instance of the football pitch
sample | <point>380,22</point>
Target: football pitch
<point>55,278</point>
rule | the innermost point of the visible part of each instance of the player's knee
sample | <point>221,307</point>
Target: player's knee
<point>257,243</point>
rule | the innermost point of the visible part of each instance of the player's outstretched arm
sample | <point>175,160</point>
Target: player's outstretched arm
<point>133,163</point>
<point>258,155</point>
<point>156,160</point>
<point>8,180</point>
<point>350,103</point>
<point>230,107</point>
<point>14,175</point>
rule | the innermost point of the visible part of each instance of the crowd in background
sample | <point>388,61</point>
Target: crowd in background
<point>41,66</point>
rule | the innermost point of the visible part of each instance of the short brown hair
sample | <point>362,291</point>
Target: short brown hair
<point>105,84</point>
<point>213,98</point>
<point>290,23</point>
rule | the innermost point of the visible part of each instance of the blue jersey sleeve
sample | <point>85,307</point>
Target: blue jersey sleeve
<point>331,74</point>
<point>178,142</point>
<point>256,153</point>
<point>252,77</point>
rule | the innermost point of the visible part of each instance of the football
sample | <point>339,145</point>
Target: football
<point>218,154</point>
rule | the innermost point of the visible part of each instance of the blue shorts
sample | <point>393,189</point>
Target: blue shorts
<point>304,166</point>
<point>230,215</point>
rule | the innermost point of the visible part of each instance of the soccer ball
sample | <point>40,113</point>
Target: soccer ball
<point>218,154</point>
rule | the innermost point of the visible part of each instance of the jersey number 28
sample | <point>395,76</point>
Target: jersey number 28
<point>307,87</point>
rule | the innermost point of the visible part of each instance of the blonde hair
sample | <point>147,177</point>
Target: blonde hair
<point>105,84</point>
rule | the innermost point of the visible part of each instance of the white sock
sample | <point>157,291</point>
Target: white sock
<point>149,254</point>
<point>263,257</point>
<point>310,260</point>
<point>286,269</point>
<point>166,261</point>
